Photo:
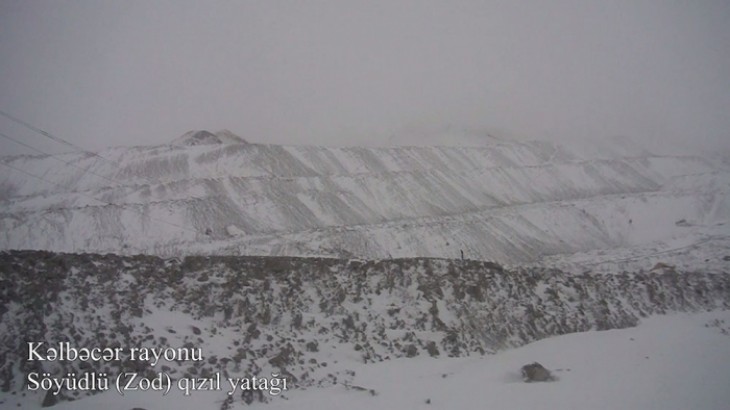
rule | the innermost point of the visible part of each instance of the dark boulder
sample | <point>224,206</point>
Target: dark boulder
<point>535,372</point>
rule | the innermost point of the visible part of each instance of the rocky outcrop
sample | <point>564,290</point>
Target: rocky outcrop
<point>535,372</point>
<point>296,316</point>
<point>202,137</point>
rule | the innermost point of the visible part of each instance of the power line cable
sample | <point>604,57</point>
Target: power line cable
<point>20,142</point>
<point>96,199</point>
<point>69,163</point>
<point>65,142</point>
<point>50,182</point>
<point>61,140</point>
<point>38,130</point>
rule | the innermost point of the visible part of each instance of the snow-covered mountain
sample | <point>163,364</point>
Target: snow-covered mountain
<point>507,201</point>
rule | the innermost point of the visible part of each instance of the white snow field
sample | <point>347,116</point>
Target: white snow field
<point>600,209</point>
<point>679,361</point>
<point>671,362</point>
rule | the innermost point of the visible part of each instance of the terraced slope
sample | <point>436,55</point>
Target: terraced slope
<point>510,202</point>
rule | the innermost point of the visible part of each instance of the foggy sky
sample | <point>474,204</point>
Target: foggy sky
<point>105,73</point>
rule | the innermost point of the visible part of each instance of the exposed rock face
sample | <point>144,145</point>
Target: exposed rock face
<point>535,372</point>
<point>203,137</point>
<point>258,315</point>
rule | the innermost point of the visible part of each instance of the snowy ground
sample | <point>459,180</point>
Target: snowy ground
<point>668,362</point>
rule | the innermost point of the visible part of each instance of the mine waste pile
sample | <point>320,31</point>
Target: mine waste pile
<point>294,317</point>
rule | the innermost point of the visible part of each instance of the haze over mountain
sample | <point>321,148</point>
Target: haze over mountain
<point>514,202</point>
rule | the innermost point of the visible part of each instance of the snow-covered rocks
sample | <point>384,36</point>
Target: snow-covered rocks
<point>233,230</point>
<point>307,318</point>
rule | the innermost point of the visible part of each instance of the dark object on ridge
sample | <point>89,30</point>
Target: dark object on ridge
<point>535,372</point>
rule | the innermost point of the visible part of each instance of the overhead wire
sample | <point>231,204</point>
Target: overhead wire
<point>38,130</point>
<point>69,163</point>
<point>61,140</point>
<point>94,198</point>
<point>43,179</point>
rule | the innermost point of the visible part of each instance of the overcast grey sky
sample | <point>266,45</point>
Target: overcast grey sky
<point>102,73</point>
